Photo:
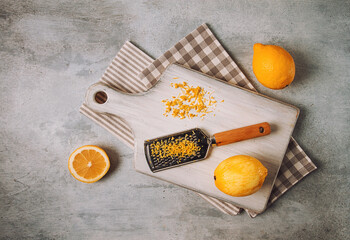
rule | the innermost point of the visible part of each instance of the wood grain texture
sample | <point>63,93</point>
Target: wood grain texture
<point>144,113</point>
<point>243,133</point>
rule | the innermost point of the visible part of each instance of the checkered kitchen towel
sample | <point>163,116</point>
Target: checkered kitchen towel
<point>123,73</point>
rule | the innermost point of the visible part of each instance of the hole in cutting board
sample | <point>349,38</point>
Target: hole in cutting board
<point>101,97</point>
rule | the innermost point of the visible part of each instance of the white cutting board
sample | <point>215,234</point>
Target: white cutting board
<point>241,107</point>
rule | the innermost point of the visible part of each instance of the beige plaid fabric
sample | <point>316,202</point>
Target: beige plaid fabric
<point>201,51</point>
<point>123,73</point>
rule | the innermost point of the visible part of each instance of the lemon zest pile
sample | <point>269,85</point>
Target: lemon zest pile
<point>191,102</point>
<point>179,148</point>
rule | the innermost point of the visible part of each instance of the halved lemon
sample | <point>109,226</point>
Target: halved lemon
<point>88,163</point>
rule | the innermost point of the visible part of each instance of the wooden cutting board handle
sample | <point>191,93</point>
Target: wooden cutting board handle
<point>101,98</point>
<point>244,133</point>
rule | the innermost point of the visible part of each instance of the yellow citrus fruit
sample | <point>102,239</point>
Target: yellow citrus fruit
<point>273,66</point>
<point>240,175</point>
<point>88,163</point>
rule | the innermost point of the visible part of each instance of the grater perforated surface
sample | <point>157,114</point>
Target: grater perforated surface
<point>195,135</point>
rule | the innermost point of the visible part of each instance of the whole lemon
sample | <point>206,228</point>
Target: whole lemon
<point>273,66</point>
<point>240,175</point>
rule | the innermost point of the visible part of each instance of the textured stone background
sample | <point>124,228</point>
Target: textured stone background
<point>51,51</point>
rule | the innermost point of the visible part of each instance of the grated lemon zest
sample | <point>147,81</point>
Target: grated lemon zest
<point>179,148</point>
<point>191,102</point>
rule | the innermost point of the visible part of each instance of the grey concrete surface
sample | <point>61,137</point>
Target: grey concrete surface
<point>51,51</point>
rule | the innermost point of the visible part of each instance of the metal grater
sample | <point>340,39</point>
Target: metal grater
<point>158,162</point>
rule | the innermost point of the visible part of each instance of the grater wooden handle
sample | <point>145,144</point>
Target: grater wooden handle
<point>244,133</point>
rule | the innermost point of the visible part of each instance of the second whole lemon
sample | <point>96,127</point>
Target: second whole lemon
<point>240,175</point>
<point>273,66</point>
